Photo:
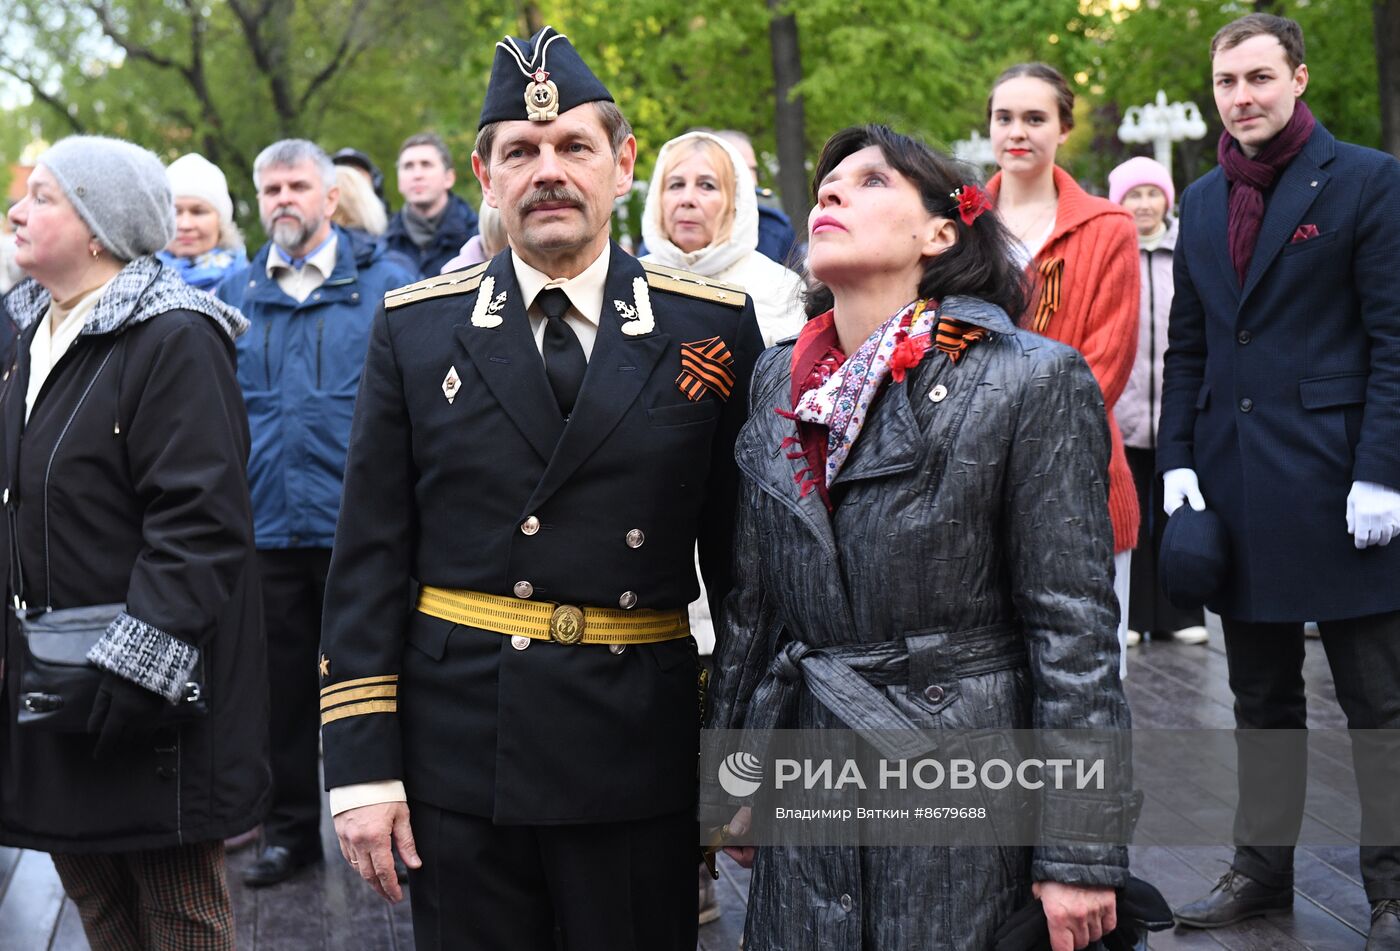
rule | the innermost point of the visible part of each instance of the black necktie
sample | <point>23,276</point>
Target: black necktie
<point>564,362</point>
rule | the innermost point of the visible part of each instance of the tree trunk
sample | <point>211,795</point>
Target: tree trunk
<point>1386,16</point>
<point>791,121</point>
<point>530,19</point>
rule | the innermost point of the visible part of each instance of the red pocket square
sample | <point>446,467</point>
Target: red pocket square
<point>1303,233</point>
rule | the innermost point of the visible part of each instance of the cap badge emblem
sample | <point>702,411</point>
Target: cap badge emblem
<point>541,98</point>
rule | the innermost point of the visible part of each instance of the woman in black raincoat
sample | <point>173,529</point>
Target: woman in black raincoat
<point>925,506</point>
<point>124,449</point>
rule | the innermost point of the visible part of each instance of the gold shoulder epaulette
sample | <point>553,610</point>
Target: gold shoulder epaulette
<point>457,282</point>
<point>693,285</point>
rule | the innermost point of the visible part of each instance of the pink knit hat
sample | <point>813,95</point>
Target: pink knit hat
<point>1140,171</point>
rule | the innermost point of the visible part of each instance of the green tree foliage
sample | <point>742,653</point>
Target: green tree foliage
<point>1165,44</point>
<point>225,77</point>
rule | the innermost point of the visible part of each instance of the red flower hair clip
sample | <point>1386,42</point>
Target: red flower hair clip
<point>972,202</point>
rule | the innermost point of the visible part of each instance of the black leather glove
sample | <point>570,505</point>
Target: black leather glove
<point>123,712</point>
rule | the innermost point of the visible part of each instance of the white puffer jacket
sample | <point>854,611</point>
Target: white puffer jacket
<point>774,288</point>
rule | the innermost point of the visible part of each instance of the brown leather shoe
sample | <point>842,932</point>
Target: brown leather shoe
<point>1234,898</point>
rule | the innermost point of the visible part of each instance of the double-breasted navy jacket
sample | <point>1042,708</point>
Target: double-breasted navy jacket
<point>1283,392</point>
<point>438,492</point>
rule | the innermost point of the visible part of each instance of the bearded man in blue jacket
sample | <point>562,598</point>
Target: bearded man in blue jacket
<point>310,296</point>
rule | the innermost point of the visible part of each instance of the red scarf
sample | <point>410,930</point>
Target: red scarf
<point>815,356</point>
<point>1249,178</point>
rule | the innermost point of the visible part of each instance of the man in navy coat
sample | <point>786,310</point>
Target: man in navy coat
<point>509,688</point>
<point>1281,412</point>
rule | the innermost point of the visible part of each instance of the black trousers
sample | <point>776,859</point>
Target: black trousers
<point>293,588</point>
<point>1266,676</point>
<point>1148,607</point>
<point>618,886</point>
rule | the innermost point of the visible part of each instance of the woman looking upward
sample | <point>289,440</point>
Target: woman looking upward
<point>895,515</point>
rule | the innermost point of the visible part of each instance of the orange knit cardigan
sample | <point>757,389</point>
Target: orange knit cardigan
<point>1097,314</point>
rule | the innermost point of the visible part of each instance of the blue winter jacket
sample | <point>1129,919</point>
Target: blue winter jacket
<point>299,367</point>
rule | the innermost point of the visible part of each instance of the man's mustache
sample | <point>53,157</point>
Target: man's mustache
<point>287,211</point>
<point>550,196</point>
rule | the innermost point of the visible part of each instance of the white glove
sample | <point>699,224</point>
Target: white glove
<point>1180,486</point>
<point>1373,514</point>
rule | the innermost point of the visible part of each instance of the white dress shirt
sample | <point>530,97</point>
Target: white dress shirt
<point>585,298</point>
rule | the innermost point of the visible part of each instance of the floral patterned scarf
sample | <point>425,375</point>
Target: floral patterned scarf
<point>832,394</point>
<point>836,396</point>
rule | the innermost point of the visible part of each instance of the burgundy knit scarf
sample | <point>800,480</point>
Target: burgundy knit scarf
<point>1249,178</point>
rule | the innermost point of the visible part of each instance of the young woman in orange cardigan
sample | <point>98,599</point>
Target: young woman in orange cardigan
<point>1080,253</point>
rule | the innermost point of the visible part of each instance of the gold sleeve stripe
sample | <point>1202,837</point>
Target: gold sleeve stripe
<point>359,709</point>
<point>360,693</point>
<point>361,682</point>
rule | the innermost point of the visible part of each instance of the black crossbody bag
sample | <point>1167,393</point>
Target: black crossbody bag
<point>57,683</point>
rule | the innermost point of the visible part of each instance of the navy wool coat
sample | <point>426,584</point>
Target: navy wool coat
<point>1283,392</point>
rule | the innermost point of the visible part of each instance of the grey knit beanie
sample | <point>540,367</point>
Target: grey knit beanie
<point>119,190</point>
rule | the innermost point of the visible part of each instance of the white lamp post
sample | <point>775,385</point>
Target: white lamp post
<point>1162,124</point>
<point>975,150</point>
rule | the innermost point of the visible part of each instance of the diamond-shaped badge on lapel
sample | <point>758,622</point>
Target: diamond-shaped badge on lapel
<point>451,384</point>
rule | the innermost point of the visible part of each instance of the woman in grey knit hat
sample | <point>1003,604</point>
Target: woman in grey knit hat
<point>136,741</point>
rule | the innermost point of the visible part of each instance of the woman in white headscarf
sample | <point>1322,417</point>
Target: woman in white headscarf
<point>207,243</point>
<point>701,215</point>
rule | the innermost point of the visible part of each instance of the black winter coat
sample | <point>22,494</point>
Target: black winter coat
<point>458,224</point>
<point>974,525</point>
<point>127,484</point>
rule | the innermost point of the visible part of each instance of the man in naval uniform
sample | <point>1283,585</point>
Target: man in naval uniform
<point>508,679</point>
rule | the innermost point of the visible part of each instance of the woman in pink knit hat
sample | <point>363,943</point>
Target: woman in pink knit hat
<point>1144,188</point>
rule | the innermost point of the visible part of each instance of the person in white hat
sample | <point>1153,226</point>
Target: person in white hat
<point>207,242</point>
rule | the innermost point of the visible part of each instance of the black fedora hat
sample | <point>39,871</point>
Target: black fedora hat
<point>1195,557</point>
